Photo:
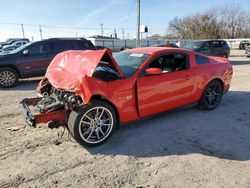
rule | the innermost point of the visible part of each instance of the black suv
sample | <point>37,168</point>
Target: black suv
<point>210,47</point>
<point>32,60</point>
<point>244,44</point>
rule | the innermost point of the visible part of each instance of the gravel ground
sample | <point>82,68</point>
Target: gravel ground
<point>182,148</point>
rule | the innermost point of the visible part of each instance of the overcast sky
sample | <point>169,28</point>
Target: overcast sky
<point>83,17</point>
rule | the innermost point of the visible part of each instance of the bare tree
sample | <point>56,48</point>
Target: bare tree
<point>229,21</point>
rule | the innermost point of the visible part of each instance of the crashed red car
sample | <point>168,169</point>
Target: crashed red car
<point>91,92</point>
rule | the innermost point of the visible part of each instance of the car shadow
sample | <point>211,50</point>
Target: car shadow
<point>222,133</point>
<point>238,62</point>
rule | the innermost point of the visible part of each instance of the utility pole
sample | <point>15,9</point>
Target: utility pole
<point>138,44</point>
<point>101,24</point>
<point>76,35</point>
<point>41,32</point>
<point>115,35</point>
<point>23,30</point>
<point>123,33</point>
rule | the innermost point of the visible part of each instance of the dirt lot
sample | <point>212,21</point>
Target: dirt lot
<point>183,148</point>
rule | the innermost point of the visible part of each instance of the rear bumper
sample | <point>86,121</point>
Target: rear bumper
<point>33,120</point>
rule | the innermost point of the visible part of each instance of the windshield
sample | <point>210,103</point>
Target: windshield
<point>193,45</point>
<point>20,48</point>
<point>129,62</point>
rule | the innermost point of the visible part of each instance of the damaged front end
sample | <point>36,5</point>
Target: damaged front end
<point>52,106</point>
<point>68,84</point>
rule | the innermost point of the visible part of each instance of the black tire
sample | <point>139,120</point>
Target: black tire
<point>8,77</point>
<point>79,130</point>
<point>211,96</point>
<point>225,55</point>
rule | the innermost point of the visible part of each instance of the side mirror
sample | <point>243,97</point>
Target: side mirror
<point>25,52</point>
<point>153,71</point>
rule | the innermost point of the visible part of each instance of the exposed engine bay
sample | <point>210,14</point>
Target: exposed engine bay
<point>55,99</point>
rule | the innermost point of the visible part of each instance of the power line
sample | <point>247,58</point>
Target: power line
<point>63,27</point>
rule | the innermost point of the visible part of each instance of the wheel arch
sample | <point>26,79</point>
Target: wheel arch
<point>102,98</point>
<point>204,87</point>
<point>12,67</point>
<point>219,80</point>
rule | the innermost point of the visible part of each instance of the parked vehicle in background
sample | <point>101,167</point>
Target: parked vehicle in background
<point>171,45</point>
<point>12,41</point>
<point>7,49</point>
<point>18,43</point>
<point>209,47</point>
<point>117,45</point>
<point>247,48</point>
<point>243,44</point>
<point>91,91</point>
<point>32,59</point>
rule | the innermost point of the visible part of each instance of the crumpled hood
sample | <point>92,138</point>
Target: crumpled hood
<point>68,68</point>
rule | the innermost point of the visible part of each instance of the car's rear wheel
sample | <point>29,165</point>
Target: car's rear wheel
<point>92,124</point>
<point>8,77</point>
<point>211,96</point>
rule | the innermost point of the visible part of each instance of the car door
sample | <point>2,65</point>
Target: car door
<point>205,48</point>
<point>217,49</point>
<point>34,60</point>
<point>171,89</point>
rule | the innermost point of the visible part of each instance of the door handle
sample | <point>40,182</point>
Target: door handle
<point>187,77</point>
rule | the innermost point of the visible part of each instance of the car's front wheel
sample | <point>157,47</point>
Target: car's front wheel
<point>8,77</point>
<point>211,96</point>
<point>93,124</point>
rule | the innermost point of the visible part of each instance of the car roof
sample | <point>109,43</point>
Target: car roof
<point>151,50</point>
<point>66,38</point>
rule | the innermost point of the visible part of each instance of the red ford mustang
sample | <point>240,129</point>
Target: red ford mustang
<point>90,92</point>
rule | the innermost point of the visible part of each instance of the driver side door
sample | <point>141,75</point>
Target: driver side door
<point>35,61</point>
<point>206,48</point>
<point>168,90</point>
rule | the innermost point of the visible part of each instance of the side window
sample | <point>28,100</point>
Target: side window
<point>61,46</point>
<point>223,43</point>
<point>206,46</point>
<point>171,62</point>
<point>201,60</point>
<point>37,49</point>
<point>216,44</point>
<point>84,45</point>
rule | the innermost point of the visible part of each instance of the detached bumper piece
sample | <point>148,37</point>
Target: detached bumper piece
<point>33,120</point>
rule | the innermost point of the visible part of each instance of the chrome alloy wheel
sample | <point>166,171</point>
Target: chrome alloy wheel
<point>7,78</point>
<point>96,125</point>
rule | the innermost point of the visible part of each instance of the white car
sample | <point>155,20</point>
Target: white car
<point>8,48</point>
<point>17,44</point>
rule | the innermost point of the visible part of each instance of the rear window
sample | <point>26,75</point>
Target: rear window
<point>62,45</point>
<point>84,45</point>
<point>201,60</point>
